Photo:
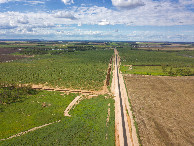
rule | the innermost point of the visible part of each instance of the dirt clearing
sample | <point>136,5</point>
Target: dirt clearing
<point>163,107</point>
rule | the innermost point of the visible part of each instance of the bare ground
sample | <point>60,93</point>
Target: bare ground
<point>70,106</point>
<point>125,133</point>
<point>163,107</point>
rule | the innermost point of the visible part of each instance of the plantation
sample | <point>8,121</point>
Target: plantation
<point>86,126</point>
<point>77,70</point>
<point>173,63</point>
<point>59,66</point>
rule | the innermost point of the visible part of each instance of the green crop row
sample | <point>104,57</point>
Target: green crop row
<point>158,70</point>
<point>142,57</point>
<point>77,70</point>
<point>173,63</point>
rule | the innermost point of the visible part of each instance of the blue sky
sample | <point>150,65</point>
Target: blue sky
<point>117,20</point>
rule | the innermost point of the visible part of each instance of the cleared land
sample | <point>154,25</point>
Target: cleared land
<point>5,54</point>
<point>163,107</point>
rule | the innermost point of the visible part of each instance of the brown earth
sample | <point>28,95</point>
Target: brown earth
<point>167,48</point>
<point>8,50</point>
<point>9,58</point>
<point>164,108</point>
<point>5,54</point>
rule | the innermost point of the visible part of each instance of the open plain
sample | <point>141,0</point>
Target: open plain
<point>163,107</point>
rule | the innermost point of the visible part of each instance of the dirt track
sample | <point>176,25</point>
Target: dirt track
<point>70,106</point>
<point>163,107</point>
<point>125,133</point>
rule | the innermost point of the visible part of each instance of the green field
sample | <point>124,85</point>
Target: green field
<point>170,62</point>
<point>29,111</point>
<point>86,126</point>
<point>77,70</point>
<point>23,108</point>
<point>157,70</point>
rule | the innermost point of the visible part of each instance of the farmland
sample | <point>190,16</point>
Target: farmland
<point>35,117</point>
<point>171,63</point>
<point>160,84</point>
<point>83,79</point>
<point>163,108</point>
<point>86,126</point>
<point>77,70</point>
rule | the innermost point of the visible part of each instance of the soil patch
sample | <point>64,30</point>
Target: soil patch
<point>9,58</point>
<point>163,107</point>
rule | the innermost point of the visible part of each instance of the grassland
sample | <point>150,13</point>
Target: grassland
<point>31,111</point>
<point>86,126</point>
<point>77,70</point>
<point>164,62</point>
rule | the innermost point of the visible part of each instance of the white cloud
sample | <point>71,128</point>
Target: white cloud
<point>64,14</point>
<point>103,22</point>
<point>187,2</point>
<point>6,1</point>
<point>7,26</point>
<point>68,2</point>
<point>58,23</point>
<point>127,4</point>
<point>35,2</point>
<point>79,24</point>
<point>23,20</point>
<point>3,1</point>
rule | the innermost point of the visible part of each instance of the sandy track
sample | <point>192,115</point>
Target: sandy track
<point>30,130</point>
<point>70,106</point>
<point>123,134</point>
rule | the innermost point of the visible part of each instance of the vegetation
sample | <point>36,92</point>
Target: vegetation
<point>173,63</point>
<point>33,110</point>
<point>77,70</point>
<point>13,93</point>
<point>65,65</point>
<point>86,126</point>
<point>158,70</point>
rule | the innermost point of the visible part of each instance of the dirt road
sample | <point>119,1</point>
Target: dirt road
<point>125,133</point>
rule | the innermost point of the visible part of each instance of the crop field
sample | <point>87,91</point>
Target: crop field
<point>164,46</point>
<point>31,116</point>
<point>173,63</point>
<point>163,108</point>
<point>36,117</point>
<point>76,70</point>
<point>158,70</point>
<point>86,126</point>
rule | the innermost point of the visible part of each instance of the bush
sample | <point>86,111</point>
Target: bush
<point>183,72</point>
<point>13,93</point>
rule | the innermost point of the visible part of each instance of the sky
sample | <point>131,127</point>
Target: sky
<point>115,20</point>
